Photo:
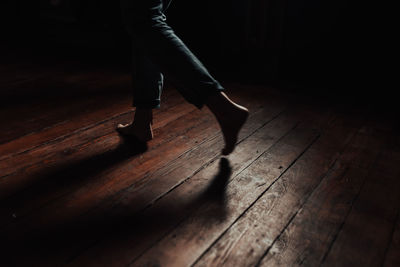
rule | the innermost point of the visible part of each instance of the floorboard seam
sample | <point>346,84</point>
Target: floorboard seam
<point>321,179</point>
<point>83,144</point>
<point>227,184</point>
<point>197,171</point>
<point>316,187</point>
<point>349,211</point>
<point>252,204</point>
<point>217,156</point>
<point>396,222</point>
<point>329,169</point>
<point>64,194</point>
<point>63,137</point>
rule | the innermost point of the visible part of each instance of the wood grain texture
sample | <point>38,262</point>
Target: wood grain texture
<point>85,152</point>
<point>37,104</point>
<point>308,237</point>
<point>306,185</point>
<point>101,149</point>
<point>246,241</point>
<point>35,165</point>
<point>368,229</point>
<point>117,110</point>
<point>85,202</point>
<point>240,194</point>
<point>392,257</point>
<point>175,205</point>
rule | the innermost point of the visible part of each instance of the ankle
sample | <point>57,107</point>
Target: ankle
<point>220,105</point>
<point>217,99</point>
<point>143,116</point>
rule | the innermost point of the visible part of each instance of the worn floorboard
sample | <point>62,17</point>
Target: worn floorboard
<point>310,182</point>
<point>308,236</point>
<point>370,222</point>
<point>246,240</point>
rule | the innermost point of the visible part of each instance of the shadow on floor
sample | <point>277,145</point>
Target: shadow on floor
<point>72,237</point>
<point>52,178</point>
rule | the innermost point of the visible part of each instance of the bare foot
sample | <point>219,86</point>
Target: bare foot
<point>231,118</point>
<point>140,128</point>
<point>142,132</point>
<point>231,126</point>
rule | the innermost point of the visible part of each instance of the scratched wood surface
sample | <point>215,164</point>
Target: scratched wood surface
<point>310,183</point>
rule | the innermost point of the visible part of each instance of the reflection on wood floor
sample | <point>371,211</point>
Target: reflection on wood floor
<point>310,182</point>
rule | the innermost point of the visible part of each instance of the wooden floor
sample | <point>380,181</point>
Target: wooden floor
<point>310,183</point>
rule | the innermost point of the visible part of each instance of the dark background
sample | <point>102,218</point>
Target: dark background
<point>330,47</point>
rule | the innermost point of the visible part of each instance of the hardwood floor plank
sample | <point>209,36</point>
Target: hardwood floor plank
<point>171,113</point>
<point>90,118</point>
<point>253,123</point>
<point>367,230</point>
<point>44,115</point>
<point>79,154</point>
<point>244,243</point>
<point>104,149</point>
<point>299,189</point>
<point>57,102</point>
<point>26,169</point>
<point>305,186</point>
<point>191,118</point>
<point>135,200</point>
<point>212,217</point>
<point>392,255</point>
<point>307,238</point>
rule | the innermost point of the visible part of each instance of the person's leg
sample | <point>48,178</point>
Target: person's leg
<point>141,127</point>
<point>230,116</point>
<point>147,85</point>
<point>147,80</point>
<point>148,24</point>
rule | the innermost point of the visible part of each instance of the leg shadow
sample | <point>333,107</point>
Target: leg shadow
<point>84,232</point>
<point>216,191</point>
<point>64,174</point>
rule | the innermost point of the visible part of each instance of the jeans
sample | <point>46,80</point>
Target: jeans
<point>157,51</point>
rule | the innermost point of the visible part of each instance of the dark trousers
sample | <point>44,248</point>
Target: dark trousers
<point>157,52</point>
